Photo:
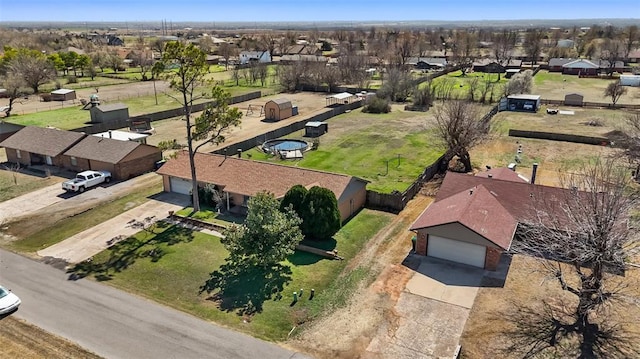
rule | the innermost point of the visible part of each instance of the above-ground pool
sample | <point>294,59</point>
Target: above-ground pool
<point>274,146</point>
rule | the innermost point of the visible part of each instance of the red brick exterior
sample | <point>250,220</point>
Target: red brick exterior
<point>492,258</point>
<point>421,243</point>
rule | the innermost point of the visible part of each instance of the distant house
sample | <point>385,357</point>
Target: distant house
<point>288,59</point>
<point>488,66</point>
<point>303,49</point>
<point>634,56</point>
<point>581,67</point>
<point>39,146</point>
<point>427,63</point>
<point>278,109</point>
<point>239,179</point>
<point>63,95</point>
<point>247,57</point>
<point>113,40</point>
<point>124,159</point>
<point>108,113</point>
<point>556,63</point>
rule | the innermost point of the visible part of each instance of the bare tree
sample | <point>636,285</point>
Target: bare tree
<point>14,84</point>
<point>630,37</point>
<point>582,239</point>
<point>503,43</point>
<point>486,88</point>
<point>459,128</point>
<point>610,55</point>
<point>464,49</point>
<point>615,90</point>
<point>227,51</point>
<point>474,84</point>
<point>34,70</point>
<point>533,44</point>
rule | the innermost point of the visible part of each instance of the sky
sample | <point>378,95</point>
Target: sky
<point>312,10</point>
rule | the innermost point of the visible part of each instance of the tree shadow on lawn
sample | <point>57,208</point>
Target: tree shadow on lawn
<point>125,251</point>
<point>244,288</point>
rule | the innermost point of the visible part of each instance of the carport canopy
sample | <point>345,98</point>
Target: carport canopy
<point>340,98</point>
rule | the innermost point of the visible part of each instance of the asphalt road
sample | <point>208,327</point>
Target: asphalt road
<point>115,324</point>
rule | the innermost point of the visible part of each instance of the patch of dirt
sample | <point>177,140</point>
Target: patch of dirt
<point>347,332</point>
<point>19,339</point>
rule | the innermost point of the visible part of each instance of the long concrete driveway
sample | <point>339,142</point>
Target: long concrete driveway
<point>115,324</point>
<point>31,201</point>
<point>94,240</point>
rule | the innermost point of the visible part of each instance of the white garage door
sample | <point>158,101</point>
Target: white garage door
<point>456,251</point>
<point>179,185</point>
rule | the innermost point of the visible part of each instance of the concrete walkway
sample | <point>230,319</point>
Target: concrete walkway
<point>94,240</point>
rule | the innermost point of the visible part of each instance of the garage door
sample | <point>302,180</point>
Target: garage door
<point>456,251</point>
<point>179,185</point>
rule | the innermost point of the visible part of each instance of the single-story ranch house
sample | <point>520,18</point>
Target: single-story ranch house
<point>76,151</point>
<point>474,219</point>
<point>239,179</point>
<point>39,146</point>
<point>124,159</point>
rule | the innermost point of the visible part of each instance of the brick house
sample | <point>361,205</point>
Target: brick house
<point>239,179</point>
<point>474,219</point>
<point>124,159</point>
<point>39,146</point>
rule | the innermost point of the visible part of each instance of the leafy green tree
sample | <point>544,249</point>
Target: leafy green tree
<point>191,67</point>
<point>321,216</point>
<point>294,198</point>
<point>57,62</point>
<point>69,58</point>
<point>267,236</point>
<point>82,62</point>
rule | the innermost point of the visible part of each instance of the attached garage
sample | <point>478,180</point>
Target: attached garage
<point>456,251</point>
<point>180,185</point>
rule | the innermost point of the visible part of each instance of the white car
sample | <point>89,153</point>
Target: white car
<point>9,302</point>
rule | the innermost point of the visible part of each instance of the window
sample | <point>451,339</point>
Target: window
<point>18,154</point>
<point>74,161</point>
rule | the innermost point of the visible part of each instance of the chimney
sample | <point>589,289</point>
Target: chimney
<point>533,173</point>
<point>239,152</point>
<point>110,134</point>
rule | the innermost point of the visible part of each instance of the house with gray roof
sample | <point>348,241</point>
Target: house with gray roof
<point>39,146</point>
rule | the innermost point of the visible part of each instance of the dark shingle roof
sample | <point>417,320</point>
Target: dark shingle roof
<point>43,141</point>
<point>102,149</point>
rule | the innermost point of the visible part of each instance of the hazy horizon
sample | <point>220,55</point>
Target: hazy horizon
<point>266,11</point>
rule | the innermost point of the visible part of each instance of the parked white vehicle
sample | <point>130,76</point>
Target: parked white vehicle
<point>9,302</point>
<point>85,180</point>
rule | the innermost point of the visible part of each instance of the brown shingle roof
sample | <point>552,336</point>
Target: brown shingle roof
<point>282,103</point>
<point>503,174</point>
<point>43,141</point>
<point>102,149</point>
<point>246,177</point>
<point>476,209</point>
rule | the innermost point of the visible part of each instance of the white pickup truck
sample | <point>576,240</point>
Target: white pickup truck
<point>85,180</point>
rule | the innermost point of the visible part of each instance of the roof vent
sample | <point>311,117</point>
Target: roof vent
<point>490,175</point>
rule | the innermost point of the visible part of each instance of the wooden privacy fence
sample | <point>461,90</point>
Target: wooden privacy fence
<point>283,131</point>
<point>590,140</point>
<point>591,104</point>
<point>160,115</point>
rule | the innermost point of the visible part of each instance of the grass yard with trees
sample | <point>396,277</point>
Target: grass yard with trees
<point>170,264</point>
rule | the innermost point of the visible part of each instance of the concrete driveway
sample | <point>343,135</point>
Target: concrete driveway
<point>445,281</point>
<point>431,312</point>
<point>94,240</point>
<point>31,201</point>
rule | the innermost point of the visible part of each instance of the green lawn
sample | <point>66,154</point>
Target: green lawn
<point>173,264</point>
<point>56,232</point>
<point>210,215</point>
<point>461,83</point>
<point>389,150</point>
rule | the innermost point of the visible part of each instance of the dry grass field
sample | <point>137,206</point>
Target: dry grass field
<point>554,86</point>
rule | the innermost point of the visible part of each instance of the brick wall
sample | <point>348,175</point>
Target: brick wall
<point>421,243</point>
<point>492,258</point>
